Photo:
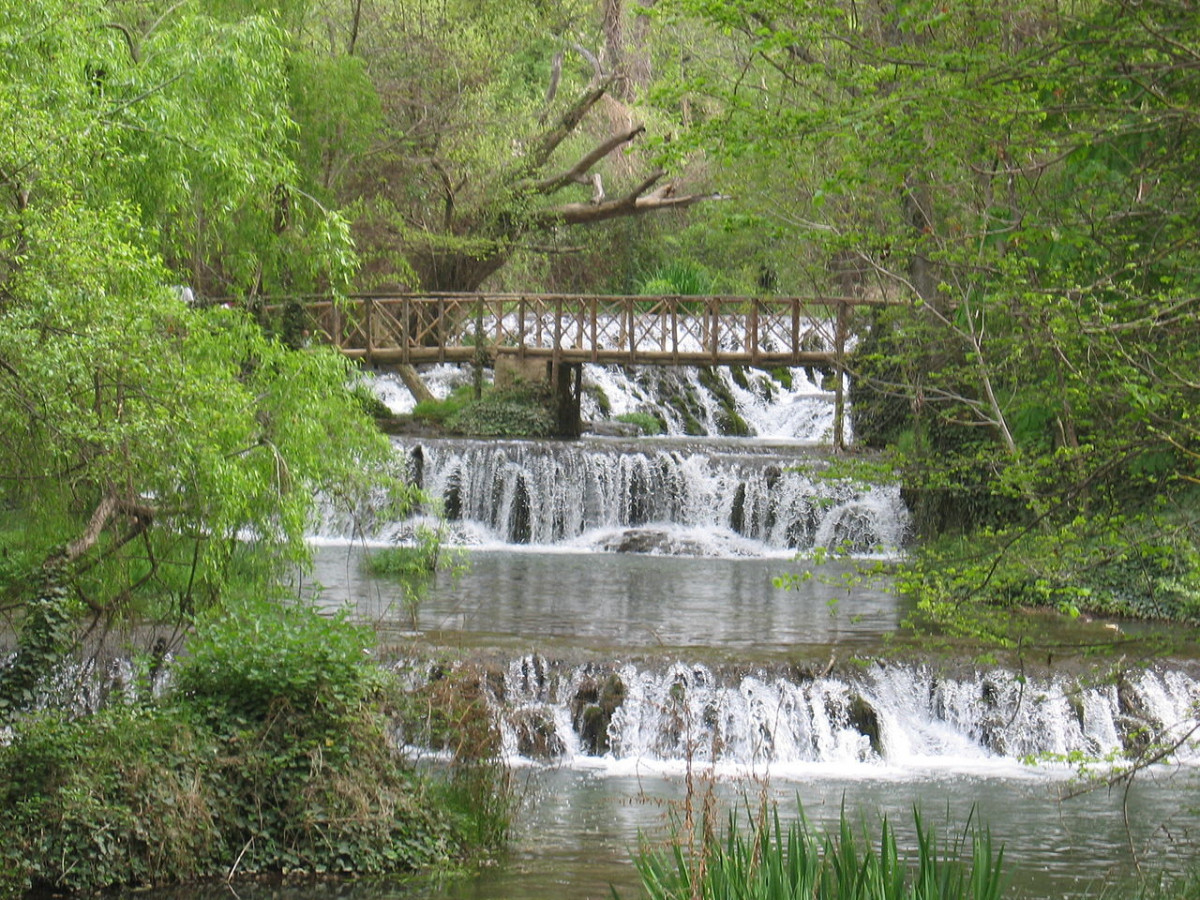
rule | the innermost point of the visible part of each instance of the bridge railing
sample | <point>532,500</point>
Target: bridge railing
<point>662,330</point>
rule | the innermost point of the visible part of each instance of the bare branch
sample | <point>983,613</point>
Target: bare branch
<point>577,173</point>
<point>552,88</point>
<point>447,190</point>
<point>598,73</point>
<point>631,204</point>
<point>547,142</point>
<point>133,50</point>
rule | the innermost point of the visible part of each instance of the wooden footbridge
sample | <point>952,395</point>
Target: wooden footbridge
<point>564,331</point>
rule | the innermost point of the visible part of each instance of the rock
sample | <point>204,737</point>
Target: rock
<point>864,718</point>
<point>537,737</point>
<point>592,709</point>
<point>650,540</point>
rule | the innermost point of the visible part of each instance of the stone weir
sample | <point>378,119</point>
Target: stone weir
<point>631,495</point>
<point>883,715</point>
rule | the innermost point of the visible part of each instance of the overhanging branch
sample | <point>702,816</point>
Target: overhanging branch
<point>109,507</point>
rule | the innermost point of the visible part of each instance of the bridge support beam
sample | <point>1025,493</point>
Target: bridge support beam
<point>567,385</point>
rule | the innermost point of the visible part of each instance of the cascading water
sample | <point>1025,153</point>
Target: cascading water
<point>611,674</point>
<point>787,404</point>
<point>642,496</point>
<point>888,716</point>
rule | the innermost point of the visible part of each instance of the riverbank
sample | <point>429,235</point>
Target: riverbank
<point>272,752</point>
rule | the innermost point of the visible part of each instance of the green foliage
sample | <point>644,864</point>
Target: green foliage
<point>680,277</point>
<point>517,412</point>
<point>648,424</point>
<point>270,755</point>
<point>441,411</point>
<point>157,450</point>
<point>1132,567</point>
<point>1017,184</point>
<point>45,635</point>
<point>414,565</point>
<point>772,862</point>
<point>258,654</point>
<point>1182,887</point>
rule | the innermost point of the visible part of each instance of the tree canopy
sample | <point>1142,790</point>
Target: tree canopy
<point>1019,178</point>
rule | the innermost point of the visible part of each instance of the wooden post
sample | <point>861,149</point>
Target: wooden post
<point>752,331</point>
<point>839,374</point>
<point>406,321</point>
<point>441,329</point>
<point>795,327</point>
<point>595,338</point>
<point>714,307</point>
<point>369,306</point>
<point>631,321</point>
<point>675,330</point>
<point>480,353</point>
<point>556,354</point>
<point>521,328</point>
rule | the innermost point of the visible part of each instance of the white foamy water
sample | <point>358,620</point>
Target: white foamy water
<point>889,719</point>
<point>787,405</point>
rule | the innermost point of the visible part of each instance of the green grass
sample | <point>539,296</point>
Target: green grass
<point>440,411</point>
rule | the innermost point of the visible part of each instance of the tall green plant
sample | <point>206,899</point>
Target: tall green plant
<point>770,861</point>
<point>153,447</point>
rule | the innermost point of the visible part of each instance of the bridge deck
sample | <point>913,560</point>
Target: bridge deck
<point>664,330</point>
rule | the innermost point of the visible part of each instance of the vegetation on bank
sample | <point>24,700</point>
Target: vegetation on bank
<point>272,751</point>
<point>520,411</point>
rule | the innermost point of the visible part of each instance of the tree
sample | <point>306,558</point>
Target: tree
<point>1021,177</point>
<point>149,447</point>
<point>494,123</point>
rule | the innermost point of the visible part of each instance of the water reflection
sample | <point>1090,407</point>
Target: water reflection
<point>624,603</point>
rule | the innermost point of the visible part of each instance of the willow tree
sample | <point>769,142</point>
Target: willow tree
<point>150,449</point>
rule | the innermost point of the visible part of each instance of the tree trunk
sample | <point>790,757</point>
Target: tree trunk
<point>412,381</point>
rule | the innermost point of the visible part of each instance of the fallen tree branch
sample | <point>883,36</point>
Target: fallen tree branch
<point>632,204</point>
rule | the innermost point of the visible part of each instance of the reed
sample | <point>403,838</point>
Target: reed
<point>772,861</point>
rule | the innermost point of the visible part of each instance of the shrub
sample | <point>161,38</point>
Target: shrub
<point>649,424</point>
<point>270,755</point>
<point>515,413</point>
<point>248,659</point>
<point>440,411</point>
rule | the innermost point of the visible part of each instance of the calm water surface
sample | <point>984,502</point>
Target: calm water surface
<point>629,603</point>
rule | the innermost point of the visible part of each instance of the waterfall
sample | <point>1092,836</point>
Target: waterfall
<point>887,716</point>
<point>785,404</point>
<point>646,496</point>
